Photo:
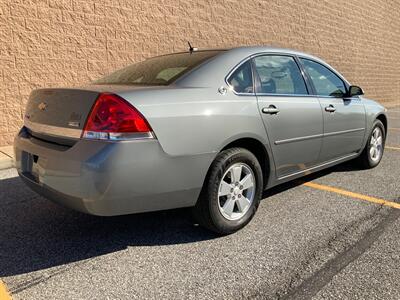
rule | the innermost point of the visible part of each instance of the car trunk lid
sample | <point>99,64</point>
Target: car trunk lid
<point>63,108</point>
<point>59,114</point>
<point>54,114</point>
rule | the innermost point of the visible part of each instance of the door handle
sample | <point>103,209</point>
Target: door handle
<point>330,108</point>
<point>270,110</point>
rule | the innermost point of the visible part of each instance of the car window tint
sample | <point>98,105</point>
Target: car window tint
<point>242,79</point>
<point>326,82</point>
<point>161,70</point>
<point>279,75</point>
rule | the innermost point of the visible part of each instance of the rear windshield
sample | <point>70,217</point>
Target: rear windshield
<point>161,70</point>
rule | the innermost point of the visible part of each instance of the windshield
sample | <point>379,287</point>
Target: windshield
<point>161,70</point>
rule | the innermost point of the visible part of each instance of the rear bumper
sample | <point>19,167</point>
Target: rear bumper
<point>110,178</point>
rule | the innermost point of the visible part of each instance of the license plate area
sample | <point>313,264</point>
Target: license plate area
<point>30,166</point>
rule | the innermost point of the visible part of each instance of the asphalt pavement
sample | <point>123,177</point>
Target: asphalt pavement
<point>304,243</point>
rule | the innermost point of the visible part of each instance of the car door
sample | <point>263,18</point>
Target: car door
<point>292,117</point>
<point>344,118</point>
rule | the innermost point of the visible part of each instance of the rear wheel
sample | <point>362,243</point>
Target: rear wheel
<point>373,151</point>
<point>231,191</point>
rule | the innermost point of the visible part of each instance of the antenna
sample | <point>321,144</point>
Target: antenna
<point>191,49</point>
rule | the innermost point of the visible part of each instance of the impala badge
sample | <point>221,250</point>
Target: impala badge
<point>74,119</point>
<point>73,124</point>
<point>42,106</point>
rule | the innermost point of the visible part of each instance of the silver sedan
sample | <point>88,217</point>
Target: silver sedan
<point>205,129</point>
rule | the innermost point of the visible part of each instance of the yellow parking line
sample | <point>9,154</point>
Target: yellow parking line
<point>352,195</point>
<point>392,148</point>
<point>393,128</point>
<point>4,295</point>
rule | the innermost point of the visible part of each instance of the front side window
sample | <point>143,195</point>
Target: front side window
<point>161,70</point>
<point>241,80</point>
<point>279,75</point>
<point>326,82</point>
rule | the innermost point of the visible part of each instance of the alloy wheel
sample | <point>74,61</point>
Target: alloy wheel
<point>236,191</point>
<point>376,145</point>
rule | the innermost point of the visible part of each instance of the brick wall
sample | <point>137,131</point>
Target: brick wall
<point>47,43</point>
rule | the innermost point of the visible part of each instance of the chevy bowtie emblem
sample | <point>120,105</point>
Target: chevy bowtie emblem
<point>42,106</point>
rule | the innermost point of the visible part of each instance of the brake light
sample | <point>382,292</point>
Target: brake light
<point>113,118</point>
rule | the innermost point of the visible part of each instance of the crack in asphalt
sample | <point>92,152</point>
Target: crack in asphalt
<point>35,281</point>
<point>43,278</point>
<point>313,284</point>
<point>316,271</point>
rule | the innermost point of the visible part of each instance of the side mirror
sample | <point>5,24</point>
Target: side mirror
<point>355,91</point>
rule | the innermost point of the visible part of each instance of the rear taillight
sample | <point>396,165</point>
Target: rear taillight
<point>113,118</point>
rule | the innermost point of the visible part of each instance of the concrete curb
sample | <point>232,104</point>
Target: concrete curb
<point>6,157</point>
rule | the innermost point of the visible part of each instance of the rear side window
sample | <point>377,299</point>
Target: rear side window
<point>161,70</point>
<point>326,82</point>
<point>279,75</point>
<point>241,79</point>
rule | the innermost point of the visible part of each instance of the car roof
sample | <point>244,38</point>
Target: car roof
<point>265,49</point>
<point>251,50</point>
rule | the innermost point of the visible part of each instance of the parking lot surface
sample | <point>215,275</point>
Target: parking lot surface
<point>324,240</point>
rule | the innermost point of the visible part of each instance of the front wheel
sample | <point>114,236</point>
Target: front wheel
<point>231,191</point>
<point>373,151</point>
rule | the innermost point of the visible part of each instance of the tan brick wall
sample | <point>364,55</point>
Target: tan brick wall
<point>47,43</point>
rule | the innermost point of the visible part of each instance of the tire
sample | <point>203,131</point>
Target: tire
<point>210,210</point>
<point>366,158</point>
